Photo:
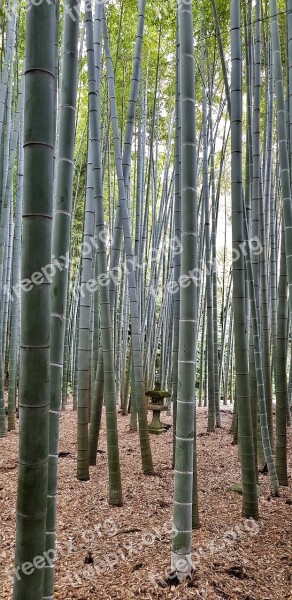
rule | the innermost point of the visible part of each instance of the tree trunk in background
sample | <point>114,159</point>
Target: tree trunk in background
<point>245,436</point>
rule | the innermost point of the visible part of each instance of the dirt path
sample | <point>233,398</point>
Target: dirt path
<point>233,558</point>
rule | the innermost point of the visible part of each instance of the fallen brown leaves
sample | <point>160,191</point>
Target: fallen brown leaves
<point>129,547</point>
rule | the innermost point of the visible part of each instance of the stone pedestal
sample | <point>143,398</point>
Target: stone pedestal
<point>156,426</point>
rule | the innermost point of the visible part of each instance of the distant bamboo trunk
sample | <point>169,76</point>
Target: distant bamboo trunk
<point>281,371</point>
<point>250,501</point>
<point>15,311</point>
<point>115,487</point>
<point>146,456</point>
<point>207,237</point>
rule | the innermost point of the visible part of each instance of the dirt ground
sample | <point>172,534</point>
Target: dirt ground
<point>130,546</point>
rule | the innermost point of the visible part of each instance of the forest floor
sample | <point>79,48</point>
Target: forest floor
<point>234,559</point>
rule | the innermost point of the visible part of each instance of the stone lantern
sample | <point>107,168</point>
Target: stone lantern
<point>156,404</point>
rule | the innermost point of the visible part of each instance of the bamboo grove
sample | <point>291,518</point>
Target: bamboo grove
<point>145,234</point>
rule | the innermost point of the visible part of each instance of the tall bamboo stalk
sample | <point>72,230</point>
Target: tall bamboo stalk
<point>34,392</point>
<point>249,491</point>
<point>60,250</point>
<point>184,448</point>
